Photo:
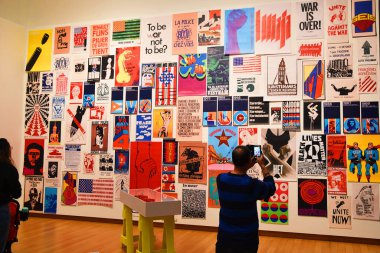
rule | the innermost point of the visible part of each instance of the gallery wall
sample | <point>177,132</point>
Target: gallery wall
<point>86,13</point>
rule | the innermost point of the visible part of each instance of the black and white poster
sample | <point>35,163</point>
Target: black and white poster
<point>309,20</point>
<point>339,211</point>
<point>312,155</point>
<point>340,61</point>
<point>258,111</point>
<point>312,116</point>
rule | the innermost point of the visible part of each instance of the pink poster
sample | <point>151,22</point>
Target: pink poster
<point>192,75</point>
<point>184,33</point>
<point>62,40</point>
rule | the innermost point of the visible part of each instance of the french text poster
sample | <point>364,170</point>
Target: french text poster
<point>337,21</point>
<point>192,163</point>
<point>339,211</point>
<point>310,20</point>
<point>209,27</point>
<point>312,116</point>
<point>332,121</point>
<point>351,117</point>
<point>39,50</point>
<point>312,197</point>
<point>312,155</point>
<point>189,118</point>
<point>217,72</point>
<point>210,109</point>
<point>363,14</point>
<point>258,111</point>
<point>184,34</point>
<point>365,201</point>
<point>166,84</point>
<point>221,143</point>
<point>62,40</point>
<point>336,151</point>
<point>192,75</point>
<point>100,39</point>
<point>127,66</point>
<point>143,127</point>
<point>370,117</point>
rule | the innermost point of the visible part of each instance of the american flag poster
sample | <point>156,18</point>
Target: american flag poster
<point>246,64</point>
<point>95,192</point>
<point>166,84</point>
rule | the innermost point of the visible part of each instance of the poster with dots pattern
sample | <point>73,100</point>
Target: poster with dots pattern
<point>275,211</point>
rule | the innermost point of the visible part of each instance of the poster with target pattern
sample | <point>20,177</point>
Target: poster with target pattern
<point>275,211</point>
<point>36,115</point>
<point>312,197</point>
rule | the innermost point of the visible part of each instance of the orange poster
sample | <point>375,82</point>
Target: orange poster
<point>62,40</point>
<point>163,123</point>
<point>184,35</point>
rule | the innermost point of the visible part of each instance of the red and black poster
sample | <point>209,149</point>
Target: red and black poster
<point>312,197</point>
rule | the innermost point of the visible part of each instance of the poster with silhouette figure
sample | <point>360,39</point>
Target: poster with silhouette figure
<point>367,76</point>
<point>108,67</point>
<point>312,155</point>
<point>310,19</point>
<point>213,196</point>
<point>312,197</point>
<point>192,75</point>
<point>351,117</point>
<point>363,158</point>
<point>279,150</point>
<point>121,161</point>
<point>342,89</point>
<point>62,40</point>
<point>184,33</point>
<point>99,137</point>
<point>365,201</point>
<point>363,13</point>
<point>33,156</point>
<point>282,79</point>
<point>217,72</point>
<point>370,117</point>
<point>276,210</point>
<point>312,116</point>
<point>145,165</point>
<point>127,70</point>
<point>337,181</point>
<point>366,51</point>
<point>34,194</point>
<point>40,46</point>
<point>189,119</point>
<point>80,39</point>
<point>76,93</point>
<point>36,115</point>
<point>163,123</point>
<point>336,151</point>
<point>69,191</point>
<point>192,167</point>
<point>339,61</point>
<point>337,21</point>
<point>221,142</point>
<point>209,27</point>
<point>339,213</point>
<point>332,122</point>
<point>239,31</point>
<point>313,78</point>
<point>121,184</point>
<point>273,33</point>
<point>100,39</point>
<point>126,32</point>
<point>76,124</point>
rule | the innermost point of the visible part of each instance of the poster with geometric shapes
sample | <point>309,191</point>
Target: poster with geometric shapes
<point>126,32</point>
<point>143,127</point>
<point>100,39</point>
<point>210,108</point>
<point>291,115</point>
<point>33,156</point>
<point>145,100</point>
<point>239,31</point>
<point>131,100</point>
<point>312,116</point>
<point>337,181</point>
<point>162,123</point>
<point>221,142</point>
<point>342,89</point>
<point>189,118</point>
<point>184,33</point>
<point>34,194</point>
<point>95,192</point>
<point>363,13</point>
<point>62,40</point>
<point>365,201</point>
<point>312,155</point>
<point>339,212</point>
<point>213,196</point>
<point>273,29</point>
<point>366,50</point>
<point>127,71</point>
<point>209,26</point>
<point>337,21</point>
<point>192,167</point>
<point>275,211</point>
<point>340,61</point>
<point>156,39</point>
<point>99,112</point>
<point>76,124</point>
<point>193,204</point>
<point>80,40</point>
<point>39,50</point>
<point>240,111</point>
<point>282,79</point>
<point>117,94</point>
<point>225,111</point>
<point>351,117</point>
<point>69,188</point>
<point>145,165</point>
<point>336,151</point>
<point>332,121</point>
<point>310,20</point>
<point>363,158</point>
<point>367,76</point>
<point>36,115</point>
<point>217,72</point>
<point>313,79</point>
<point>166,84</point>
<point>370,117</point>
<point>192,75</point>
<point>312,197</point>
<point>279,150</point>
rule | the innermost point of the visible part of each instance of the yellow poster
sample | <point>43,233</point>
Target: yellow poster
<point>39,50</point>
<point>163,123</point>
<point>363,158</point>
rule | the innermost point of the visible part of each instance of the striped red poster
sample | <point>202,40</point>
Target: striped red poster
<point>166,84</point>
<point>95,192</point>
<point>246,64</point>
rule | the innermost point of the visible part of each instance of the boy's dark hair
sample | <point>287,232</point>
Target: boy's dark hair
<point>241,156</point>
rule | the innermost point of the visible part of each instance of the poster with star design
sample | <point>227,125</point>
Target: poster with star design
<point>221,143</point>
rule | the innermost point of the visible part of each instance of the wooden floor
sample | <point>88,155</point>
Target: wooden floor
<point>40,235</point>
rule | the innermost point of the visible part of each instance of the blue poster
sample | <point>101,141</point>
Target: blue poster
<point>221,143</point>
<point>50,200</point>
<point>144,128</point>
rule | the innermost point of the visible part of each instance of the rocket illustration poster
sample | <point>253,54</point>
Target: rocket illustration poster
<point>184,33</point>
<point>221,143</point>
<point>127,66</point>
<point>239,31</point>
<point>36,115</point>
<point>192,75</point>
<point>192,163</point>
<point>39,50</point>
<point>145,165</point>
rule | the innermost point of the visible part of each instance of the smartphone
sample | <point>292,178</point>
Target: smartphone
<point>255,150</point>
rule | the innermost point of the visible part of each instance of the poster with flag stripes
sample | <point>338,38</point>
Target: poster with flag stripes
<point>96,192</point>
<point>367,79</point>
<point>246,64</point>
<point>166,84</point>
<point>126,32</point>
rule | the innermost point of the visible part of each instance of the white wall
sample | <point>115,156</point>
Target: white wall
<point>44,13</point>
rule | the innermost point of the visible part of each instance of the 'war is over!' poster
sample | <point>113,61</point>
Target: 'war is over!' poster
<point>310,19</point>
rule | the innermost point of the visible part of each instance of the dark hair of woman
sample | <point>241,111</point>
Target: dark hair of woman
<point>5,151</point>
